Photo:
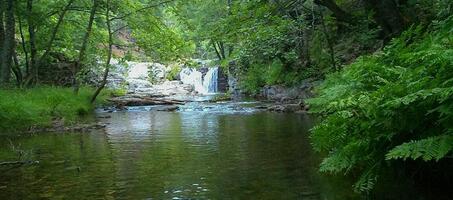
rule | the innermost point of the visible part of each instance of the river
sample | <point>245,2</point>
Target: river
<point>208,151</point>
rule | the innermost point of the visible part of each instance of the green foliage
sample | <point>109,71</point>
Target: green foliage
<point>253,79</point>
<point>221,97</point>
<point>37,107</point>
<point>174,72</point>
<point>395,104</point>
<point>432,148</point>
<point>114,93</point>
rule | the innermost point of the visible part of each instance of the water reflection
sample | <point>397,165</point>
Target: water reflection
<point>164,155</point>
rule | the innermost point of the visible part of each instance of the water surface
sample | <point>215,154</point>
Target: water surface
<point>191,154</point>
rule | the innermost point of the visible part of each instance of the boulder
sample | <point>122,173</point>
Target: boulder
<point>168,108</point>
<point>288,108</point>
<point>137,84</point>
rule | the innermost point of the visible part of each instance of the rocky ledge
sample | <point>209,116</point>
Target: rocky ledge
<point>286,108</point>
<point>143,100</point>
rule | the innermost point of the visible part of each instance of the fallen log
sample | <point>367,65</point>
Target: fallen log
<point>144,101</point>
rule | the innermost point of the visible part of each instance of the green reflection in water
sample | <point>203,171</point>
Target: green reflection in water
<point>159,155</point>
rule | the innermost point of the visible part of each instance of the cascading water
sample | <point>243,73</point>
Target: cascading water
<point>193,77</point>
<point>210,80</point>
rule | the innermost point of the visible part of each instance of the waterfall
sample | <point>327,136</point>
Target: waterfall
<point>210,80</point>
<point>193,77</point>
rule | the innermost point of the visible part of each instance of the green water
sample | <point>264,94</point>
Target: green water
<point>164,155</point>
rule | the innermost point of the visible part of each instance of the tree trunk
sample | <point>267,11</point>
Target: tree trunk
<point>330,42</point>
<point>216,50</point>
<point>109,55</point>
<point>388,16</point>
<point>338,13</point>
<point>17,71</point>
<point>2,33</point>
<point>79,63</point>
<point>33,78</point>
<point>55,31</point>
<point>305,46</point>
<point>222,49</point>
<point>24,48</point>
<point>8,43</point>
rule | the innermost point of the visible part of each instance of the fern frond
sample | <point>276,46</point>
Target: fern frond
<point>367,181</point>
<point>432,148</point>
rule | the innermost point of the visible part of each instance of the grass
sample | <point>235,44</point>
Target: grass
<point>21,109</point>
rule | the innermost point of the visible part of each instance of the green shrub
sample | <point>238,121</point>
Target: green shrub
<point>174,72</point>
<point>253,79</point>
<point>394,105</point>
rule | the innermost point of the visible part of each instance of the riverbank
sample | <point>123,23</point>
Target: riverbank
<point>44,107</point>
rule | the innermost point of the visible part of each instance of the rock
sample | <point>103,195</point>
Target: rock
<point>138,85</point>
<point>168,108</point>
<point>287,95</point>
<point>289,108</point>
<point>222,81</point>
<point>138,70</point>
<point>276,108</point>
<point>261,107</point>
<point>104,117</point>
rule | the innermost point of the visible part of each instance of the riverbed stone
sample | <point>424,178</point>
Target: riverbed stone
<point>289,108</point>
<point>168,108</point>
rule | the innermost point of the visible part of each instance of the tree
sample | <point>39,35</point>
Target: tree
<point>79,63</point>
<point>388,16</point>
<point>52,38</point>
<point>34,69</point>
<point>8,42</point>
<point>2,37</point>
<point>338,13</point>
<point>108,22</point>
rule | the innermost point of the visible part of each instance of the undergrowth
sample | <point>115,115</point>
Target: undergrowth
<point>21,109</point>
<point>394,105</point>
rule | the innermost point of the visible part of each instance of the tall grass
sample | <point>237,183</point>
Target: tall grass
<point>21,109</point>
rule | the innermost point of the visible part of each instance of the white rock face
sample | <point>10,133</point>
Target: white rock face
<point>135,76</point>
<point>170,88</point>
<point>138,80</point>
<point>138,70</point>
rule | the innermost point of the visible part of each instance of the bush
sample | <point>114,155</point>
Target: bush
<point>174,72</point>
<point>252,80</point>
<point>394,105</point>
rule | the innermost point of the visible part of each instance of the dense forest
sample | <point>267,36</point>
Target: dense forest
<point>382,69</point>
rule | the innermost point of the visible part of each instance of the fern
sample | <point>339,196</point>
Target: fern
<point>432,148</point>
<point>367,181</point>
<point>404,93</point>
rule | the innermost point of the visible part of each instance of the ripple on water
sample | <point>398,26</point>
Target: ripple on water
<point>224,151</point>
